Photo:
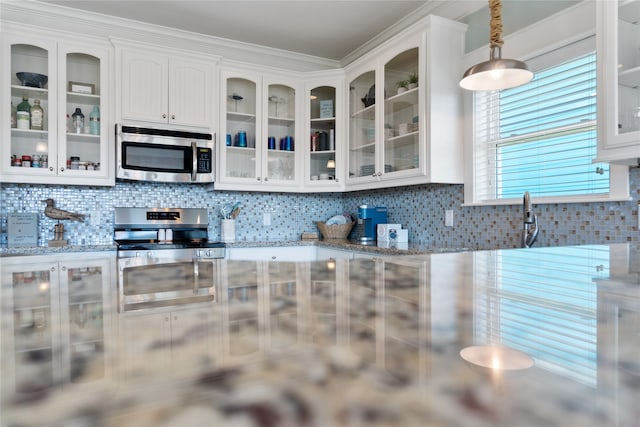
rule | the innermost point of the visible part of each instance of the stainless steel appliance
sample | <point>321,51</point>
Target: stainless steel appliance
<point>165,257</point>
<point>367,223</point>
<point>145,154</point>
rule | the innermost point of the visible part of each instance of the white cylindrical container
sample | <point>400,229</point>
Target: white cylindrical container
<point>228,230</point>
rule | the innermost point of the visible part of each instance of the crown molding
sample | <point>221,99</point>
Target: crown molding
<point>454,10</point>
<point>58,18</point>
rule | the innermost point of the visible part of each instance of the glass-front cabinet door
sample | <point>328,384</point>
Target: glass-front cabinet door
<point>259,121</point>
<point>362,127</point>
<point>323,159</point>
<point>82,114</point>
<point>239,160</point>
<point>619,73</point>
<point>57,113</point>
<point>30,66</point>
<point>280,139</point>
<point>401,113</point>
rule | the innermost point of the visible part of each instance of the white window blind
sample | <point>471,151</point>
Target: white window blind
<point>541,137</point>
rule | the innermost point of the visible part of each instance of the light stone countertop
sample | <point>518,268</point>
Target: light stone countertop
<point>373,342</point>
<point>411,248</point>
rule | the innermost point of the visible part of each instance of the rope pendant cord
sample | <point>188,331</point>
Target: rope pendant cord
<point>495,31</point>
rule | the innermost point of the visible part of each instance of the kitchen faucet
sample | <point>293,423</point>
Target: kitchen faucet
<point>530,231</point>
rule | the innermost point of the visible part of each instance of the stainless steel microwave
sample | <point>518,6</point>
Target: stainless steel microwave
<point>145,154</point>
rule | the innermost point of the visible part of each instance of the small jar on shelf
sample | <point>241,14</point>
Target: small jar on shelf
<point>37,116</point>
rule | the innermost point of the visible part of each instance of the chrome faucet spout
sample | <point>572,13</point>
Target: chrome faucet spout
<point>530,229</point>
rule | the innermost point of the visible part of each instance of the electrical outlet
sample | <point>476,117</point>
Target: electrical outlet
<point>448,218</point>
<point>266,219</point>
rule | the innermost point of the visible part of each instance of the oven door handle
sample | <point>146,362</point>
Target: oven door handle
<point>194,171</point>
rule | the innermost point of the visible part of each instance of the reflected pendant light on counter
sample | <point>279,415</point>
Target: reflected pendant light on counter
<point>496,73</point>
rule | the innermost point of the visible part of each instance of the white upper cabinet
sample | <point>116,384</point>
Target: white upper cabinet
<point>324,165</point>
<point>168,89</point>
<point>618,32</point>
<point>405,109</point>
<point>57,150</point>
<point>259,117</point>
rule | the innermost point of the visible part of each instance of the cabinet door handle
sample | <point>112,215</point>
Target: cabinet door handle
<point>164,116</point>
<point>258,178</point>
<point>374,175</point>
<point>266,179</point>
<point>51,168</point>
<point>173,117</point>
<point>61,169</point>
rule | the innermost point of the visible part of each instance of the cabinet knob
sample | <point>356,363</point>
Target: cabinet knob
<point>266,179</point>
<point>173,117</point>
<point>164,116</point>
<point>61,169</point>
<point>258,178</point>
<point>64,268</point>
<point>53,269</point>
<point>51,168</point>
<point>374,175</point>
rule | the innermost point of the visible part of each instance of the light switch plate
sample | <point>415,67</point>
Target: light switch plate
<point>266,219</point>
<point>448,218</point>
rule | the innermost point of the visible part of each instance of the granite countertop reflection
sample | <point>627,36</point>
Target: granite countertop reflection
<point>373,341</point>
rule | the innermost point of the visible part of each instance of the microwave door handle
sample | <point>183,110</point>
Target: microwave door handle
<point>194,169</point>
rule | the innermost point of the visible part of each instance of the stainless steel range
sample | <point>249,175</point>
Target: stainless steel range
<point>165,258</point>
<point>165,233</point>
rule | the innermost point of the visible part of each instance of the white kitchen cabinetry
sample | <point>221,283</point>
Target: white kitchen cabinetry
<point>158,341</point>
<point>261,127</point>
<point>61,329</point>
<point>618,33</point>
<point>410,135</point>
<point>78,78</point>
<point>166,88</point>
<point>323,149</point>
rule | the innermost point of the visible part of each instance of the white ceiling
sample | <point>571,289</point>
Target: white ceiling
<point>323,28</point>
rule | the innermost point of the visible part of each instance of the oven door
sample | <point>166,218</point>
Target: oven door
<point>145,283</point>
<point>145,154</point>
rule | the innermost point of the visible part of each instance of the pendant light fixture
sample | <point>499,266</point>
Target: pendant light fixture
<point>496,73</point>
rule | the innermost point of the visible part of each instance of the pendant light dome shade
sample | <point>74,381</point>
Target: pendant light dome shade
<point>496,73</point>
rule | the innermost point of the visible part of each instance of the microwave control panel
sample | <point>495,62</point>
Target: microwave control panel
<point>204,156</point>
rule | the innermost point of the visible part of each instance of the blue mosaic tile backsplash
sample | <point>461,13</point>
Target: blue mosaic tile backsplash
<point>419,208</point>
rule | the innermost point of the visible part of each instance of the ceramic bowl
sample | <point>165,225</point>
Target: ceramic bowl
<point>32,79</point>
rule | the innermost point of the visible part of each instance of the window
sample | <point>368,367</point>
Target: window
<point>542,137</point>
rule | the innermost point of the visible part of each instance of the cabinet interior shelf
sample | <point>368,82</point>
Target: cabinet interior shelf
<point>367,146</point>
<point>402,138</point>
<point>28,91</point>
<point>240,116</point>
<point>86,137</point>
<point>284,152</point>
<point>83,98</point>
<point>323,120</point>
<point>630,77</point>
<point>365,113</point>
<point>281,121</point>
<point>234,148</point>
<point>322,152</point>
<point>42,134</point>
<point>408,97</point>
